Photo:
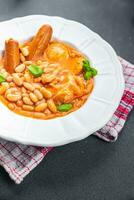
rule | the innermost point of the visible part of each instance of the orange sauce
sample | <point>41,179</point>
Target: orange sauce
<point>68,85</point>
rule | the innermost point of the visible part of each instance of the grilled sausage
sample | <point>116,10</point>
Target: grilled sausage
<point>40,42</point>
<point>11,57</point>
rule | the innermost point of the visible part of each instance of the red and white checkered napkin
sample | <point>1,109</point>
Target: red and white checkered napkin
<point>18,160</point>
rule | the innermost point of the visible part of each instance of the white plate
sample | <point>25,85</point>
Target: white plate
<point>100,106</point>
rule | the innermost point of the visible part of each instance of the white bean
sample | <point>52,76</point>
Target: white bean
<point>27,77</point>
<point>52,106</point>
<point>38,94</point>
<point>12,84</point>
<point>25,51</point>
<point>44,64</point>
<point>33,97</point>
<point>47,78</point>
<point>20,68</point>
<point>39,102</point>
<point>28,86</point>
<point>41,107</point>
<point>9,78</point>
<point>46,93</point>
<point>5,74</point>
<point>27,107</point>
<point>28,62</point>
<point>2,70</point>
<point>5,84</point>
<point>13,97</point>
<point>27,101</point>
<point>39,115</point>
<point>11,106</point>
<point>37,85</point>
<point>23,90</point>
<point>25,95</point>
<point>12,90</point>
<point>22,58</point>
<point>17,80</point>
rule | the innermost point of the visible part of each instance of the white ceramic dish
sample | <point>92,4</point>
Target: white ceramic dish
<point>100,106</point>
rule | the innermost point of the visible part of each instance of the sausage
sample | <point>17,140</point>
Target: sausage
<point>11,57</point>
<point>40,42</point>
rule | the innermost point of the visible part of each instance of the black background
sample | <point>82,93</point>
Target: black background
<point>90,169</point>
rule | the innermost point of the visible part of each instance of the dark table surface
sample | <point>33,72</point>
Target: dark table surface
<point>90,169</point>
